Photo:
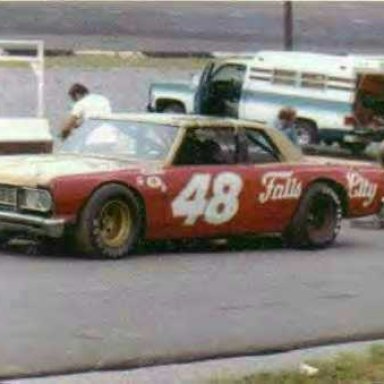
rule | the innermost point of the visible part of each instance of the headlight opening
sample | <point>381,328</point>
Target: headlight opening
<point>32,199</point>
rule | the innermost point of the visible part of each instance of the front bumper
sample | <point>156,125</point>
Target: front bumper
<point>24,223</point>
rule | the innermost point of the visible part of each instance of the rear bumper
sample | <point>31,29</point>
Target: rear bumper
<point>368,135</point>
<point>24,223</point>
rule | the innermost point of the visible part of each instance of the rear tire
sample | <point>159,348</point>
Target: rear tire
<point>306,132</point>
<point>317,221</point>
<point>110,224</point>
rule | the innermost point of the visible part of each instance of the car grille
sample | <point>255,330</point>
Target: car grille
<point>8,197</point>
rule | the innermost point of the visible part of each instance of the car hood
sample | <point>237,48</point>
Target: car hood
<point>34,170</point>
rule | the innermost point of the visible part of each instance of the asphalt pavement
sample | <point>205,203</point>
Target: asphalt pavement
<point>64,314</point>
<point>340,26</point>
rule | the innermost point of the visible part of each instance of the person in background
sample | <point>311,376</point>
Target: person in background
<point>285,123</point>
<point>85,105</point>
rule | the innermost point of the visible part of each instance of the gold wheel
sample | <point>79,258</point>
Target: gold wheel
<point>115,222</point>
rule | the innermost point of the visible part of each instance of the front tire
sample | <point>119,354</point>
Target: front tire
<point>317,221</point>
<point>110,224</point>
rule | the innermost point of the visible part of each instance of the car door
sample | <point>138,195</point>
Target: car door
<point>273,187</point>
<point>204,185</point>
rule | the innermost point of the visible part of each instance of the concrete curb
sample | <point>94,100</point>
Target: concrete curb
<point>197,373</point>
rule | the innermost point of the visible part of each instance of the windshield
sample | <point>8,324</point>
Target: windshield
<point>126,139</point>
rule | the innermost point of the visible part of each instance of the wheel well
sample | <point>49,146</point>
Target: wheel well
<point>161,104</point>
<point>338,188</point>
<point>135,192</point>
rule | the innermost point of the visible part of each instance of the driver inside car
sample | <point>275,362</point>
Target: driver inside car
<point>199,148</point>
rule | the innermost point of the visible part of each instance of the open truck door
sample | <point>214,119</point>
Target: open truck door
<point>26,134</point>
<point>202,91</point>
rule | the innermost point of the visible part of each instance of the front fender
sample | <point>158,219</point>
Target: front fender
<point>161,93</point>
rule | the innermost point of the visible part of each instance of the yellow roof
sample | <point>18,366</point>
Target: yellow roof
<point>289,151</point>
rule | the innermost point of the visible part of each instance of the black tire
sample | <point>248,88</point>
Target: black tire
<point>94,235</point>
<point>355,148</point>
<point>173,108</point>
<point>307,133</point>
<point>4,239</point>
<point>317,221</point>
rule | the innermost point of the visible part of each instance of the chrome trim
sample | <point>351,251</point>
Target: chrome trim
<point>18,222</point>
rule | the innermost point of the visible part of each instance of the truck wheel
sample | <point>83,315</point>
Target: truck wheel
<point>317,221</point>
<point>110,224</point>
<point>306,133</point>
<point>4,239</point>
<point>173,108</point>
<point>356,148</point>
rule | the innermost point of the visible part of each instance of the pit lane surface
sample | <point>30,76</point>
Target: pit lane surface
<point>190,26</point>
<point>62,314</point>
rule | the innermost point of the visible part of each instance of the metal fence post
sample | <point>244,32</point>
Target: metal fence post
<point>288,26</point>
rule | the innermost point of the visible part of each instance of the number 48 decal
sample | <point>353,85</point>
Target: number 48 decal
<point>222,206</point>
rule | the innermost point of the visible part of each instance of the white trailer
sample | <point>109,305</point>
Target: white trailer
<point>26,134</point>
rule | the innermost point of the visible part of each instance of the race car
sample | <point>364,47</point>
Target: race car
<point>130,177</point>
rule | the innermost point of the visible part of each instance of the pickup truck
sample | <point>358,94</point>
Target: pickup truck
<point>337,98</point>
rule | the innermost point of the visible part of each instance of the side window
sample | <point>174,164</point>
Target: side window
<point>313,80</point>
<point>284,77</point>
<point>230,72</point>
<point>258,148</point>
<point>229,77</point>
<point>207,146</point>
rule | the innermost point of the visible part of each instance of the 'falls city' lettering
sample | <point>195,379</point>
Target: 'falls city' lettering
<point>280,185</point>
<point>361,188</point>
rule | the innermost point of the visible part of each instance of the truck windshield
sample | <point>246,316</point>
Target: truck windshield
<point>125,139</point>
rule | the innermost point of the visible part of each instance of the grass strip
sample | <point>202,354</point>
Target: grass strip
<point>345,368</point>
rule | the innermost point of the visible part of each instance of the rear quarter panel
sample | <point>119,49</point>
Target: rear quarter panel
<point>362,187</point>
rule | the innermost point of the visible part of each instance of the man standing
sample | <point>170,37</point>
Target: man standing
<point>286,123</point>
<point>86,105</point>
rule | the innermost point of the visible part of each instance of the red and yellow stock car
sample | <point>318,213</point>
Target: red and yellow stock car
<point>123,178</point>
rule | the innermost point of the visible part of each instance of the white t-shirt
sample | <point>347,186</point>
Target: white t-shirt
<point>91,105</point>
